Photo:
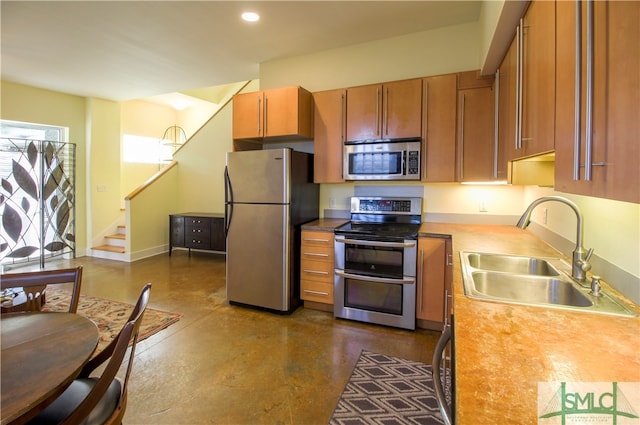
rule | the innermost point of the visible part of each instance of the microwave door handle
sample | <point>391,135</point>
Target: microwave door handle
<point>404,281</point>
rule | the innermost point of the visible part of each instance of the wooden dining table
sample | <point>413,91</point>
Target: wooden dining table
<point>41,354</point>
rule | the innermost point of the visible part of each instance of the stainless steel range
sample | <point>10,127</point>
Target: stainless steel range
<point>375,261</point>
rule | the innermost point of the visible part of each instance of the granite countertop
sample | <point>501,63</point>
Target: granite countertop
<point>504,350</point>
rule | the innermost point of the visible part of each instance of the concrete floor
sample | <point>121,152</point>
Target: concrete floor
<point>223,364</point>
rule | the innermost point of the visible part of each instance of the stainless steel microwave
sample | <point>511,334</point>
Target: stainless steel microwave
<point>382,160</point>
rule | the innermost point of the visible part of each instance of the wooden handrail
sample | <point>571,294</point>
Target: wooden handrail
<point>151,179</point>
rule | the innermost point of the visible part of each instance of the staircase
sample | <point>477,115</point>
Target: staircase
<point>113,248</point>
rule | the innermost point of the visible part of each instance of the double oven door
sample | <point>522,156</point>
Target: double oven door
<point>375,281</point>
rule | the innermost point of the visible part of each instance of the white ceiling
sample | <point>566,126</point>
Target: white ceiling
<point>123,50</point>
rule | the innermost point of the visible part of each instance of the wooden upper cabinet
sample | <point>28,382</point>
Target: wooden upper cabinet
<point>475,138</point>
<point>248,115</point>
<point>439,128</point>
<point>328,131</point>
<point>538,79</point>
<point>613,138</point>
<point>384,111</point>
<point>276,113</point>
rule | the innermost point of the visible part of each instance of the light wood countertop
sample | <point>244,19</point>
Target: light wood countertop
<point>325,224</point>
<point>504,350</point>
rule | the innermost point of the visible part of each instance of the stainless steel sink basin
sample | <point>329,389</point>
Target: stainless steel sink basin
<point>531,281</point>
<point>529,289</point>
<point>512,264</point>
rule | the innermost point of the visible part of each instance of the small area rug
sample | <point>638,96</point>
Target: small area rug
<point>110,316</point>
<point>388,390</point>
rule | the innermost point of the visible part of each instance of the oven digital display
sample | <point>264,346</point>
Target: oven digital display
<point>384,205</point>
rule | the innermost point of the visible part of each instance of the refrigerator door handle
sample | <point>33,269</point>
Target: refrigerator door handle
<point>228,201</point>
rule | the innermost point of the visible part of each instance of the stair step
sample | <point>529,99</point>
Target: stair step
<point>116,236</point>
<point>110,248</point>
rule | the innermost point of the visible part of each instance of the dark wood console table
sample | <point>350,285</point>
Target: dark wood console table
<point>197,231</point>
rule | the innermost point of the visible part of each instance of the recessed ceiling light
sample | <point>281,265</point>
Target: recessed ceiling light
<point>250,16</point>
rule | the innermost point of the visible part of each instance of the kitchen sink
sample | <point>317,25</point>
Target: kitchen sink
<point>531,281</point>
<point>512,264</point>
<point>529,289</point>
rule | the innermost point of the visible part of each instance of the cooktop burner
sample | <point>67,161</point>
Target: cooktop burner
<point>395,231</point>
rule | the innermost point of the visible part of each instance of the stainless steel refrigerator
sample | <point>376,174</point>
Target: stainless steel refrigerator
<point>269,194</point>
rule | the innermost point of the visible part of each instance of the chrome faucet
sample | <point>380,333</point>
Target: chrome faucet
<point>580,260</point>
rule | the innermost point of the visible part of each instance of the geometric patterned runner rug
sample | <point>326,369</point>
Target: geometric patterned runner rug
<point>109,316</point>
<point>387,390</point>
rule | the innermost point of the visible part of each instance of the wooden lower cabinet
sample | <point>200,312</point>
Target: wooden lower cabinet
<point>316,269</point>
<point>197,231</point>
<point>435,276</point>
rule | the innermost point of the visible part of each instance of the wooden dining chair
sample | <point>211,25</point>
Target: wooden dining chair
<point>102,399</point>
<point>34,285</point>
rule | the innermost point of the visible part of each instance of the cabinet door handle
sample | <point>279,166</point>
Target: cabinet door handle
<point>266,117</point>
<point>496,123</point>
<point>342,127</point>
<point>519,83</point>
<point>308,291</point>
<point>577,93</point>
<point>461,159</point>
<point>315,272</point>
<point>588,155</point>
<point>420,273</point>
<point>259,115</point>
<point>385,112</point>
<point>315,254</point>
<point>377,111</point>
<point>315,240</point>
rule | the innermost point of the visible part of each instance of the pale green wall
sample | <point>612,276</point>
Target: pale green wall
<point>142,119</point>
<point>148,216</point>
<point>440,51</point>
<point>201,162</point>
<point>489,16</point>
<point>30,104</point>
<point>103,155</point>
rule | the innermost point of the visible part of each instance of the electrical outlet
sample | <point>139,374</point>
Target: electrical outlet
<point>332,203</point>
<point>101,188</point>
<point>482,206</point>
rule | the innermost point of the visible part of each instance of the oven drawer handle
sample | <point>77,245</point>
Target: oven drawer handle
<point>378,243</point>
<point>406,280</point>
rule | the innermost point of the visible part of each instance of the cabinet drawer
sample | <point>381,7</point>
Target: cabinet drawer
<point>316,291</point>
<point>317,253</point>
<point>197,221</point>
<point>197,242</point>
<point>316,270</point>
<point>317,238</point>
